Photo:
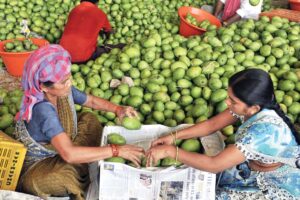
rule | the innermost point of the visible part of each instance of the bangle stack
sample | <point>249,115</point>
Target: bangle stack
<point>176,157</point>
<point>114,150</point>
<point>118,108</point>
<point>174,137</point>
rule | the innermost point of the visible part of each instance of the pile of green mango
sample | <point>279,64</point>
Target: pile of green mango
<point>184,80</point>
<point>20,46</point>
<point>191,19</point>
<point>175,79</point>
<point>204,24</point>
<point>44,18</point>
<point>10,102</point>
<point>132,19</point>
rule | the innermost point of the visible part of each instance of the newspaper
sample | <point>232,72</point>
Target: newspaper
<point>123,182</point>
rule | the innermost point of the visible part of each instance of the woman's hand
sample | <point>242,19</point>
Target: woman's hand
<point>132,153</point>
<point>165,140</point>
<point>154,154</point>
<point>128,111</point>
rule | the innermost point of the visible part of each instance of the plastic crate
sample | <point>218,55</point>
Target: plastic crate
<point>280,3</point>
<point>292,15</point>
<point>12,154</point>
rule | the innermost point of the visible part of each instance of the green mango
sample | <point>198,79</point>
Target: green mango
<point>115,138</point>
<point>230,139</point>
<point>131,123</point>
<point>218,95</point>
<point>6,120</point>
<point>294,108</point>
<point>167,162</point>
<point>228,130</point>
<point>116,159</point>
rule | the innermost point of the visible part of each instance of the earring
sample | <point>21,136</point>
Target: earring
<point>240,117</point>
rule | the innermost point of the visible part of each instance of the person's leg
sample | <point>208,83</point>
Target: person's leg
<point>219,8</point>
<point>54,177</point>
<point>112,46</point>
<point>98,52</point>
<point>106,49</point>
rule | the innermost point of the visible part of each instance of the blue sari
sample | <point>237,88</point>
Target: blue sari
<point>266,138</point>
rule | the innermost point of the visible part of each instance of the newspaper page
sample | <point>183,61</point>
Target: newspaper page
<point>187,184</point>
<point>122,182</point>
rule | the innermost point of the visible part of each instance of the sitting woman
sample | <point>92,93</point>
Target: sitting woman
<point>59,145</point>
<point>264,161</point>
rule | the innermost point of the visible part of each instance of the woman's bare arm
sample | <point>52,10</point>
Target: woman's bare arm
<point>228,158</point>
<point>101,104</point>
<point>232,19</point>
<point>82,154</point>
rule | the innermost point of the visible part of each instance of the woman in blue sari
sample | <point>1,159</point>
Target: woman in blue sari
<point>264,161</point>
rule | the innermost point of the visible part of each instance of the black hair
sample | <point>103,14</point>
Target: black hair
<point>255,87</point>
<point>48,83</point>
<point>92,1</point>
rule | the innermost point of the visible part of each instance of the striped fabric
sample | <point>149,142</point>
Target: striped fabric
<point>48,63</point>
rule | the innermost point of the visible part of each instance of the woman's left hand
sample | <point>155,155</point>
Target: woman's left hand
<point>156,153</point>
<point>124,111</point>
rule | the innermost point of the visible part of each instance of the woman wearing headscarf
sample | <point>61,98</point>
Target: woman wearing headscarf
<point>59,145</point>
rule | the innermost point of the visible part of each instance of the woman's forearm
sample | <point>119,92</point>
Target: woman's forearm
<point>80,154</point>
<point>199,161</point>
<point>101,104</point>
<point>195,160</point>
<point>233,19</point>
<point>226,159</point>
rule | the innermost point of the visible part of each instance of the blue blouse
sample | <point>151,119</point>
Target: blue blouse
<point>264,137</point>
<point>45,123</point>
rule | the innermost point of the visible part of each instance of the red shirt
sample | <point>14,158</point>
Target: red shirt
<point>82,29</point>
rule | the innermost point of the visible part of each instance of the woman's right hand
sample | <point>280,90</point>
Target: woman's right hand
<point>132,153</point>
<point>165,140</point>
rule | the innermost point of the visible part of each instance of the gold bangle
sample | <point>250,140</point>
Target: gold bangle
<point>174,138</point>
<point>176,157</point>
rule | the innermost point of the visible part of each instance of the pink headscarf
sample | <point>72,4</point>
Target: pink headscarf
<point>48,63</point>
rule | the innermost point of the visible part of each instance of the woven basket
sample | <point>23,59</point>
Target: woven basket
<point>292,15</point>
